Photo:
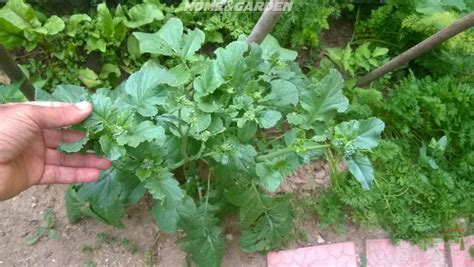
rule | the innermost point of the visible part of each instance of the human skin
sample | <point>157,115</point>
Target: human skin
<point>29,136</point>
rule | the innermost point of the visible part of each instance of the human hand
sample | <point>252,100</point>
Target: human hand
<point>29,137</point>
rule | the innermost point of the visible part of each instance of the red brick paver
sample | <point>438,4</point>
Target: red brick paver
<point>461,258</point>
<point>334,255</point>
<point>382,253</point>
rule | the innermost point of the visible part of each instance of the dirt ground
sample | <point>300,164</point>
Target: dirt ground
<point>79,245</point>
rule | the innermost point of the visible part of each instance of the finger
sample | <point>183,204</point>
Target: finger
<point>54,157</point>
<point>52,104</point>
<point>47,116</point>
<point>67,175</point>
<point>53,138</point>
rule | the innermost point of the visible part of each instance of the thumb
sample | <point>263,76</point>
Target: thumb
<point>50,115</point>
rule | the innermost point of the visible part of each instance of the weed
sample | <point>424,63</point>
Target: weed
<point>48,229</point>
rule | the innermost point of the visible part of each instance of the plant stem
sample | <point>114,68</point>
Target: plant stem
<point>384,197</point>
<point>207,192</point>
<point>284,151</point>
<point>275,154</point>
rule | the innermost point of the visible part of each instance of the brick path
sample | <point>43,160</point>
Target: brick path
<point>379,253</point>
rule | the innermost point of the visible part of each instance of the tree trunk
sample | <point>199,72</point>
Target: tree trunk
<point>11,69</point>
<point>266,23</point>
<point>459,26</point>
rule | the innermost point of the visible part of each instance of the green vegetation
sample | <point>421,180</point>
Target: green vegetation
<point>49,229</point>
<point>424,165</point>
<point>302,26</point>
<point>11,93</point>
<point>184,112</point>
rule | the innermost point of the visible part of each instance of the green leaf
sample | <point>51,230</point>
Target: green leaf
<point>230,58</point>
<point>73,147</point>
<point>361,168</point>
<point>170,35</point>
<point>326,99</point>
<point>268,118</point>
<point>73,23</point>
<point>209,81</point>
<point>238,158</point>
<point>167,197</point>
<point>145,131</point>
<point>271,230</point>
<point>111,215</point>
<point>77,210</point>
<point>250,202</point>
<point>108,69</point>
<point>89,78</point>
<point>443,143</point>
<point>53,26</point>
<point>379,51</point>
<point>106,191</point>
<point>52,234</point>
<point>459,4</point>
<point>435,6</point>
<point>182,74</point>
<point>96,44</point>
<point>17,24</point>
<point>247,132</point>
<point>105,21</point>
<point>21,13</point>
<point>169,40</point>
<point>104,111</point>
<point>11,93</point>
<point>202,240</point>
<point>69,94</point>
<point>143,14</point>
<point>141,87</point>
<point>270,180</point>
<point>30,240</point>
<point>283,93</point>
<point>191,43</point>
<point>271,47</point>
<point>363,134</point>
<point>111,149</point>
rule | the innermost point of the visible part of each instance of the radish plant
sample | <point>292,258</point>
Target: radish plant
<point>205,136</point>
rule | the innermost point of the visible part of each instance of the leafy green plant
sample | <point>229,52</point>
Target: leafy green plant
<point>360,61</point>
<point>193,132</point>
<point>41,231</point>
